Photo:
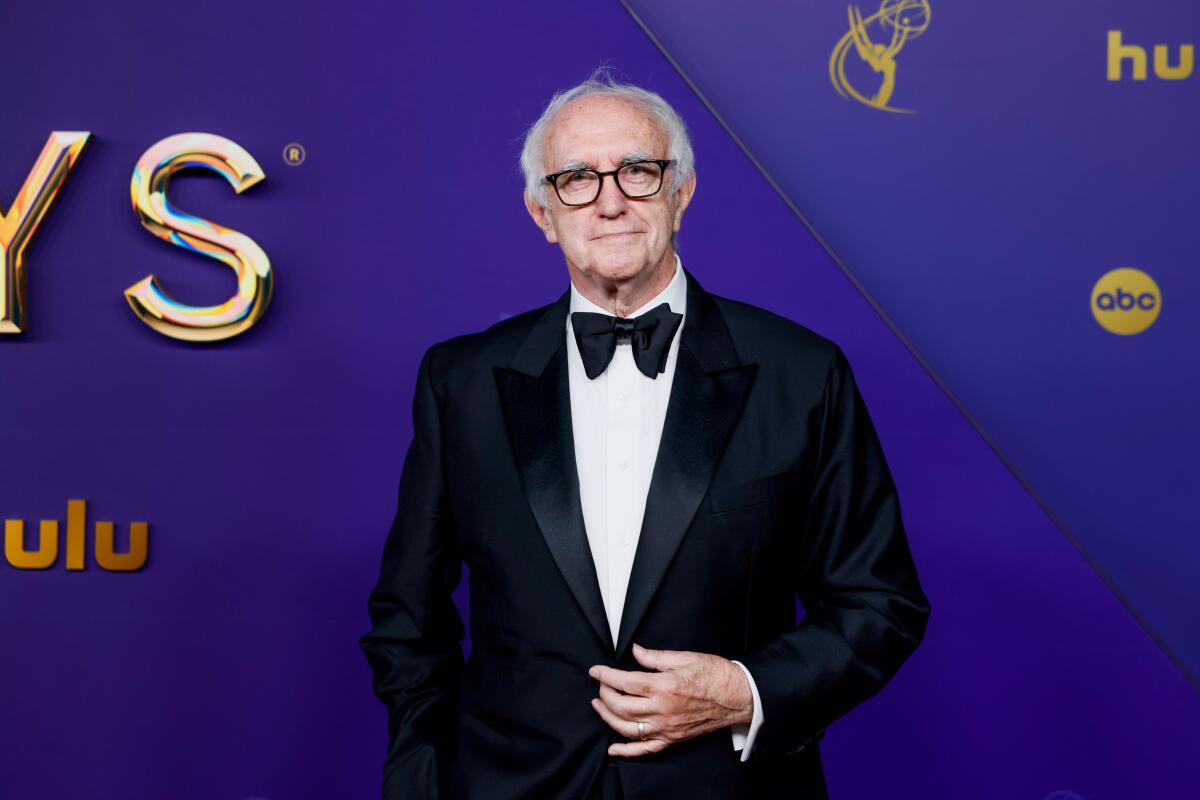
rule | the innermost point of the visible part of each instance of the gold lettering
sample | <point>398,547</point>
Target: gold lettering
<point>105,547</point>
<point>1118,52</point>
<point>76,513</point>
<point>113,561</point>
<point>14,544</point>
<point>255,279</point>
<point>1178,72</point>
<point>18,226</point>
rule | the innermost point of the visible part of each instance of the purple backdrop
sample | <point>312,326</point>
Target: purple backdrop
<point>267,466</point>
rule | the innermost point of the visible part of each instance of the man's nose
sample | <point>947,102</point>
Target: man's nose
<point>611,201</point>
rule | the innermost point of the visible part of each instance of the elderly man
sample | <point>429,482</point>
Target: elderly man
<point>641,477</point>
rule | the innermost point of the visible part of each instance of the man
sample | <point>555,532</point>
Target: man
<point>641,477</point>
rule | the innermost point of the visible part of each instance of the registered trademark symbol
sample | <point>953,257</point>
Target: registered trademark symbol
<point>293,154</point>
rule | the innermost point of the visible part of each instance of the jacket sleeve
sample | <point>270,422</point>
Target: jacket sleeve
<point>865,611</point>
<point>413,645</point>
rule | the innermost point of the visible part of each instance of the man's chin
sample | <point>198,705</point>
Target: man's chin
<point>620,271</point>
<point>618,266</point>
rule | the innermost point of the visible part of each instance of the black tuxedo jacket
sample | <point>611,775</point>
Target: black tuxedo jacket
<point>770,484</point>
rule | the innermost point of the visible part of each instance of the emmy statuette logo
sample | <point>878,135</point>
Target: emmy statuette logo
<point>877,40</point>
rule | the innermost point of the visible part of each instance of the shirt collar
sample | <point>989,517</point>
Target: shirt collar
<point>674,294</point>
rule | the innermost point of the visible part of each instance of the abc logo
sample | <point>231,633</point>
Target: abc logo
<point>1126,301</point>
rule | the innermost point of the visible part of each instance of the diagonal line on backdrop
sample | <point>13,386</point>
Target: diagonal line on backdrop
<point>1012,468</point>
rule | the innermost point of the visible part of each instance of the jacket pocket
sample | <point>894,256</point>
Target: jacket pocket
<point>485,720</point>
<point>775,486</point>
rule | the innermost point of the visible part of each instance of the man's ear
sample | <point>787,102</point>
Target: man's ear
<point>683,198</point>
<point>541,218</point>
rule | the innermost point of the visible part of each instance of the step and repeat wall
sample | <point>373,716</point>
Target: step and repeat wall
<point>230,231</point>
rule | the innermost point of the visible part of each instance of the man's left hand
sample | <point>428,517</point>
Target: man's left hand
<point>687,694</point>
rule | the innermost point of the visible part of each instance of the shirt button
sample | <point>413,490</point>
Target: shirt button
<point>624,396</point>
<point>624,465</point>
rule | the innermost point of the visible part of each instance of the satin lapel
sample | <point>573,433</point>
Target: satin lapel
<point>707,397</point>
<point>536,401</point>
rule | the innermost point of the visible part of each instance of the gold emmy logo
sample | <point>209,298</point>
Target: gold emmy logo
<point>896,20</point>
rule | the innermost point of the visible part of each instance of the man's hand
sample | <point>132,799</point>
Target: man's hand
<point>689,694</point>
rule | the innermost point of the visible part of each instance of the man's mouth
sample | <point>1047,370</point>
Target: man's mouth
<point>617,234</point>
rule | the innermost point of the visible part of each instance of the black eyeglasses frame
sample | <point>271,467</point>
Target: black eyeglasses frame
<point>662,163</point>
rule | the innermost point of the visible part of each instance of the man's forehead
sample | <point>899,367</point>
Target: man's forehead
<point>603,128</point>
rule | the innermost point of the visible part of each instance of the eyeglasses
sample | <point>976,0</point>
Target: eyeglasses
<point>637,179</point>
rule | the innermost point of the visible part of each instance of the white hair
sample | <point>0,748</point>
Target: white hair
<point>679,147</point>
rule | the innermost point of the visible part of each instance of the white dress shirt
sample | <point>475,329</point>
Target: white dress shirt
<point>617,422</point>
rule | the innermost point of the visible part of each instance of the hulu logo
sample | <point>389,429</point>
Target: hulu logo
<point>46,553</point>
<point>1120,53</point>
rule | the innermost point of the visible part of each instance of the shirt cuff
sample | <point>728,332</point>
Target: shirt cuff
<point>744,734</point>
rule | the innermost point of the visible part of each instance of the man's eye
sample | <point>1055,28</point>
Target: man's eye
<point>579,177</point>
<point>635,170</point>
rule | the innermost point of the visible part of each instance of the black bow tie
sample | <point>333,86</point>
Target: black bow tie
<point>650,335</point>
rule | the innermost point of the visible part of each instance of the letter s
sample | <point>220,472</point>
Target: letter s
<point>240,253</point>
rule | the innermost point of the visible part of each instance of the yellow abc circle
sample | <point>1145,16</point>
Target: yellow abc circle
<point>1126,301</point>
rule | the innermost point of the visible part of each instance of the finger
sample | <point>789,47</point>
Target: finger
<point>635,749</point>
<point>660,659</point>
<point>628,706</point>
<point>639,683</point>
<point>622,726</point>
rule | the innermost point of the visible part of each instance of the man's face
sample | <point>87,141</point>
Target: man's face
<point>614,238</point>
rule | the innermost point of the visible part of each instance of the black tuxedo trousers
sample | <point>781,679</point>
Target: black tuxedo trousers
<point>769,485</point>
